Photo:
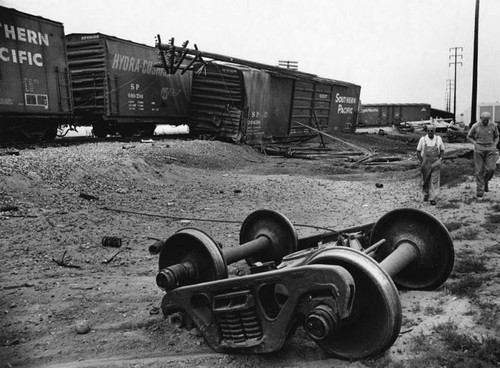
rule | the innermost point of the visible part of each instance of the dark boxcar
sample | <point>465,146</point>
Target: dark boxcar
<point>34,88</point>
<point>374,115</point>
<point>251,105</point>
<point>116,87</point>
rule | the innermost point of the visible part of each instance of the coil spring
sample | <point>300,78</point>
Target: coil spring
<point>240,326</point>
<point>111,241</point>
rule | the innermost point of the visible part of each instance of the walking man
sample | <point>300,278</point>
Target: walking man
<point>430,151</point>
<point>484,136</point>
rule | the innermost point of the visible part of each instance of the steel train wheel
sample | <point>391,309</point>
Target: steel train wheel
<point>436,253</point>
<point>274,226</point>
<point>376,317</point>
<point>194,245</point>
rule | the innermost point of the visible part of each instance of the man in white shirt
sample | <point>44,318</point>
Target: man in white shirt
<point>430,152</point>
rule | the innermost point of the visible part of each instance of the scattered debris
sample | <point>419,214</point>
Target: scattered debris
<point>9,152</point>
<point>88,197</point>
<point>82,327</point>
<point>64,264</point>
<point>156,247</point>
<point>18,286</point>
<point>106,261</point>
<point>456,136</point>
<point>12,343</point>
<point>81,287</point>
<point>352,145</point>
<point>111,241</point>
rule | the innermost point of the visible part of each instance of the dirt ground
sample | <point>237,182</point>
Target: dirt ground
<point>104,311</point>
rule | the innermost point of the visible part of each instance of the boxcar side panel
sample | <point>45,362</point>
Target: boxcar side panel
<point>269,103</point>
<point>138,89</point>
<point>280,106</point>
<point>344,108</point>
<point>33,68</point>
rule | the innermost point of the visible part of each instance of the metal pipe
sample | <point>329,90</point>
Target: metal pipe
<point>405,253</point>
<point>372,248</point>
<point>245,250</point>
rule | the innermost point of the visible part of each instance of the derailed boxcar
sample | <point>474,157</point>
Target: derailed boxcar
<point>34,88</point>
<point>253,105</point>
<point>116,88</point>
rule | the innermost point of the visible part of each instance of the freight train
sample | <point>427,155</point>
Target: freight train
<point>49,79</point>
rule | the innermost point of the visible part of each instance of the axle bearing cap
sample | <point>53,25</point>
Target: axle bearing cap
<point>277,228</point>
<point>196,246</point>
<point>321,322</point>
<point>435,247</point>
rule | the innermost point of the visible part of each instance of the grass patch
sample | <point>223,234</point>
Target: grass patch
<point>468,275</point>
<point>447,347</point>
<point>496,207</point>
<point>492,222</point>
<point>453,225</point>
<point>489,313</point>
<point>467,264</point>
<point>433,310</point>
<point>416,307</point>
<point>494,248</point>
<point>471,234</point>
<point>466,286</point>
<point>467,346</point>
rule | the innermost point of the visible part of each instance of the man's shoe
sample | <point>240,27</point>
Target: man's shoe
<point>426,198</point>
<point>433,203</point>
<point>479,195</point>
<point>486,189</point>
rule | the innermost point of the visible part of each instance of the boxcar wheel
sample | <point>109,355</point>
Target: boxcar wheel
<point>100,130</point>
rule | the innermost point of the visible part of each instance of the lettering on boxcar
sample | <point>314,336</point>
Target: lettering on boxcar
<point>20,57</point>
<point>10,32</point>
<point>165,92</point>
<point>343,101</point>
<point>136,65</point>
<point>20,35</point>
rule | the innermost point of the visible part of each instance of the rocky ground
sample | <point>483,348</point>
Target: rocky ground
<point>68,301</point>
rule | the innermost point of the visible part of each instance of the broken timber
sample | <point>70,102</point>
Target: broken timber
<point>352,145</point>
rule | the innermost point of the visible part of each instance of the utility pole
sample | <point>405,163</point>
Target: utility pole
<point>449,87</point>
<point>455,63</point>
<point>474,68</point>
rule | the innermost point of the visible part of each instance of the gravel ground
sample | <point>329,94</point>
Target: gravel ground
<point>112,295</point>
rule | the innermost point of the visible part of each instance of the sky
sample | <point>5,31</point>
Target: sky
<point>398,51</point>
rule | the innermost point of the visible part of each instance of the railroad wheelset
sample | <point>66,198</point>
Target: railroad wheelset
<point>345,298</point>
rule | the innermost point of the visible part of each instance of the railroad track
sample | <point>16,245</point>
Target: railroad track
<point>13,146</point>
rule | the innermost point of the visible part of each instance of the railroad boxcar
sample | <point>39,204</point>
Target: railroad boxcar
<point>253,105</point>
<point>34,89</point>
<point>375,115</point>
<point>117,89</point>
